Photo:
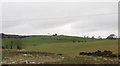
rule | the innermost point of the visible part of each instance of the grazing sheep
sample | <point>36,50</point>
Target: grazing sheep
<point>73,41</point>
<point>59,54</point>
<point>78,41</point>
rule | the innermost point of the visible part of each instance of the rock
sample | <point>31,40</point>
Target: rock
<point>27,55</point>
<point>13,62</point>
<point>26,61</point>
<point>32,62</point>
<point>105,58</point>
<point>62,57</point>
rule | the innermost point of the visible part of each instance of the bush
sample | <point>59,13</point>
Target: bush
<point>99,53</point>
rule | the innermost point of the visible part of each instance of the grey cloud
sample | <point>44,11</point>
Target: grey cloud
<point>64,18</point>
<point>99,22</point>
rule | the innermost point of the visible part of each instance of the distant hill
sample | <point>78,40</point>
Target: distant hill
<point>2,35</point>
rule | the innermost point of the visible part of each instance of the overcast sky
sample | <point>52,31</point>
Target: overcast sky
<point>68,18</point>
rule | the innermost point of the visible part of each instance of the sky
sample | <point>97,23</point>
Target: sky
<point>66,18</point>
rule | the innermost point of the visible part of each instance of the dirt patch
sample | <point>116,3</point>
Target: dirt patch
<point>14,57</point>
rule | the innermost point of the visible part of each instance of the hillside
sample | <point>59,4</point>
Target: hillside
<point>67,46</point>
<point>40,39</point>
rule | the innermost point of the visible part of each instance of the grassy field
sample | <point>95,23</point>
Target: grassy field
<point>64,45</point>
<point>72,49</point>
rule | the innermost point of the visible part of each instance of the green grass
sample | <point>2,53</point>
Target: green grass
<point>30,41</point>
<point>63,45</point>
<point>51,39</point>
<point>73,49</point>
<point>66,46</point>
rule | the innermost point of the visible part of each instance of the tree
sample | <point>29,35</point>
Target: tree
<point>112,36</point>
<point>119,37</point>
<point>99,37</point>
<point>92,37</point>
<point>56,34</point>
<point>87,37</point>
<point>84,36</point>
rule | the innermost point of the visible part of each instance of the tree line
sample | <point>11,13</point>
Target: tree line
<point>13,45</point>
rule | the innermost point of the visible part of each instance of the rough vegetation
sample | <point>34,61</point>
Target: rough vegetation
<point>59,49</point>
<point>105,53</point>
